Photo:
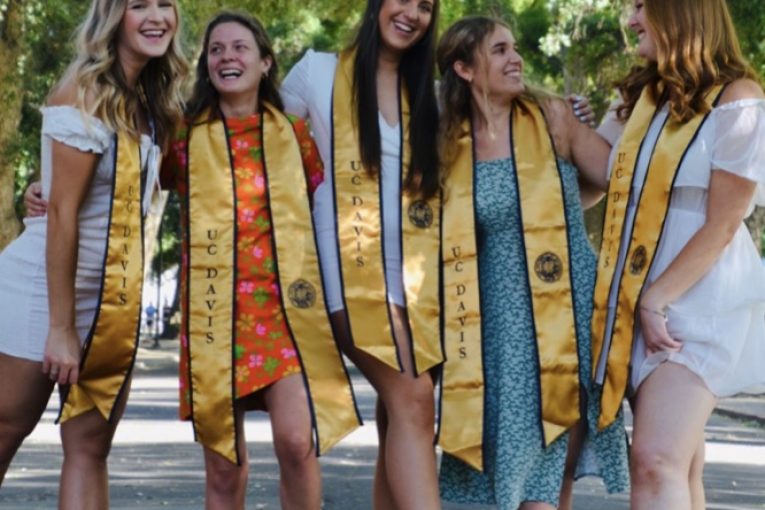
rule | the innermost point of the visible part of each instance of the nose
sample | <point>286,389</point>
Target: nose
<point>515,57</point>
<point>411,11</point>
<point>153,12</point>
<point>633,22</point>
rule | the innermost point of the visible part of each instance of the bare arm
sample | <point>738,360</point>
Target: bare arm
<point>72,173</point>
<point>729,199</point>
<point>580,144</point>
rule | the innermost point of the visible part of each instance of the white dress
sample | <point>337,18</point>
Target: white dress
<point>307,92</point>
<point>23,282</point>
<point>721,319</point>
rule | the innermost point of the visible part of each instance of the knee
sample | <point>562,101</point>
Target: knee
<point>653,466</point>
<point>224,477</point>
<point>11,437</point>
<point>414,406</point>
<point>293,448</point>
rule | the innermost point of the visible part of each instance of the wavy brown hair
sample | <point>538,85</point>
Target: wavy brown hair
<point>204,96</point>
<point>98,74</point>
<point>696,50</point>
<point>465,41</point>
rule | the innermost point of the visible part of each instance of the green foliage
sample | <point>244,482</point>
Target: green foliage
<point>570,46</point>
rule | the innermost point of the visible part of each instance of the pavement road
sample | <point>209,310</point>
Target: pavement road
<point>155,464</point>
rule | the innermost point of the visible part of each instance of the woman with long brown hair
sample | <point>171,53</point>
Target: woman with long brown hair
<point>680,298</point>
<point>518,276</point>
<point>373,112</point>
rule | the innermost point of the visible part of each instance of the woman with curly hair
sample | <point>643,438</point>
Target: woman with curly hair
<point>679,316</point>
<point>70,286</point>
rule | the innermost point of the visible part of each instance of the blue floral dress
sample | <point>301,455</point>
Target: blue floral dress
<point>517,468</point>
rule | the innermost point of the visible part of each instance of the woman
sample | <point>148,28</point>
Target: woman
<point>518,274</point>
<point>74,320</point>
<point>248,232</point>
<point>680,298</point>
<point>373,112</point>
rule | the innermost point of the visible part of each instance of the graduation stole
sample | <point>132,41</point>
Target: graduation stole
<point>110,348</point>
<point>359,214</point>
<point>546,246</point>
<point>210,300</point>
<point>653,203</point>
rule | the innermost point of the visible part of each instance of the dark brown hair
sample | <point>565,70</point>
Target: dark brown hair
<point>204,95</point>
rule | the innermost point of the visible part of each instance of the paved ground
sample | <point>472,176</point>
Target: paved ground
<point>156,465</point>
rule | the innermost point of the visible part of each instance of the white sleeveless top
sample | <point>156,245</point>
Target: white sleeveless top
<point>23,282</point>
<point>307,93</point>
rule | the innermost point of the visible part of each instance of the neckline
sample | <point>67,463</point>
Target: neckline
<point>381,120</point>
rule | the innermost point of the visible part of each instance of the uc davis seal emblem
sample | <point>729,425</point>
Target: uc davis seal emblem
<point>548,267</point>
<point>638,261</point>
<point>420,214</point>
<point>302,294</point>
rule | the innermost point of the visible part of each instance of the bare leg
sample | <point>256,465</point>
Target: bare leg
<point>696,479</point>
<point>87,440</point>
<point>536,505</point>
<point>672,407</point>
<point>382,491</point>
<point>410,460</point>
<point>300,477</point>
<point>225,482</point>
<point>575,441</point>
<point>20,409</point>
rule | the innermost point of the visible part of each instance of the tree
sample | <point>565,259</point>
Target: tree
<point>11,33</point>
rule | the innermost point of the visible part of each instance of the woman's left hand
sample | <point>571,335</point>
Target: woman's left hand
<point>653,325</point>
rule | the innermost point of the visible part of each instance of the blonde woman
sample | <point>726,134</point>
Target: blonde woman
<point>70,285</point>
<point>680,300</point>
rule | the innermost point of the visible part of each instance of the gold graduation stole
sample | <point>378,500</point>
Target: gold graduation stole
<point>111,345</point>
<point>546,245</point>
<point>668,154</point>
<point>210,301</point>
<point>360,240</point>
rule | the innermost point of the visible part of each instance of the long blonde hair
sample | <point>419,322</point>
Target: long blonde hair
<point>696,49</point>
<point>101,87</point>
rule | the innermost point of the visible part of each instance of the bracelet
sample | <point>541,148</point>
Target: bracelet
<point>661,313</point>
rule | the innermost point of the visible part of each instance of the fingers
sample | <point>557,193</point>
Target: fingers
<point>33,200</point>
<point>582,109</point>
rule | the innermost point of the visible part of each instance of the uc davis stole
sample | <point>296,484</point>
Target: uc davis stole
<point>652,207</point>
<point>462,388</point>
<point>358,208</point>
<point>546,246</point>
<point>211,283</point>
<point>111,344</point>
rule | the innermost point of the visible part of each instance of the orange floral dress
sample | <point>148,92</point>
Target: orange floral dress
<point>263,349</point>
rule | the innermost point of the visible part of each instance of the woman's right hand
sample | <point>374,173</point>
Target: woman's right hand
<point>62,355</point>
<point>33,200</point>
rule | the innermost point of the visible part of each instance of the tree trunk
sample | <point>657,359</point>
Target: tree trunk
<point>11,33</point>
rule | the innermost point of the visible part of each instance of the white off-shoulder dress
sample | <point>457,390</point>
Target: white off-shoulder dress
<point>23,282</point>
<point>721,319</point>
